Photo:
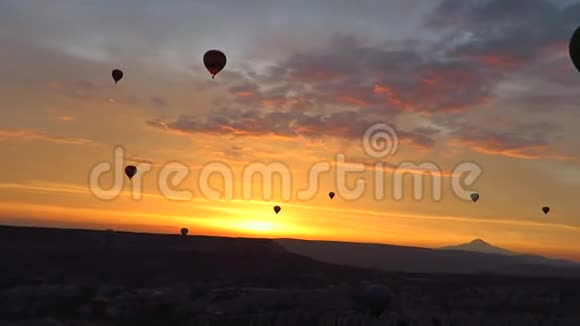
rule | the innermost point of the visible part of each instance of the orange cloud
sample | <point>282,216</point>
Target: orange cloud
<point>392,168</point>
<point>391,97</point>
<point>246,94</point>
<point>34,135</point>
<point>274,102</point>
<point>497,147</point>
<point>500,61</point>
<point>65,118</point>
<point>353,100</point>
<point>317,74</point>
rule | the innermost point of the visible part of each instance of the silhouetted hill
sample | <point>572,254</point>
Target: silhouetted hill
<point>78,277</point>
<point>424,260</point>
<point>131,258</point>
<point>57,254</point>
<point>73,239</point>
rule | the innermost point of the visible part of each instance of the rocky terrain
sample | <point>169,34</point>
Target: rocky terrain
<point>74,277</point>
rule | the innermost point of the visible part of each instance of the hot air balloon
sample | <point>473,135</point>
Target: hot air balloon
<point>546,209</point>
<point>214,61</point>
<point>117,75</point>
<point>130,171</point>
<point>574,48</point>
<point>474,196</point>
<point>184,231</point>
<point>331,195</point>
<point>277,209</point>
<point>377,298</point>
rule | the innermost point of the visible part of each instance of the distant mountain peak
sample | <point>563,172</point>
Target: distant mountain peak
<point>479,245</point>
<point>479,241</point>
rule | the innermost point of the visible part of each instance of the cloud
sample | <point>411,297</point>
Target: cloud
<point>442,76</point>
<point>139,160</point>
<point>542,101</point>
<point>234,152</point>
<point>289,124</point>
<point>47,187</point>
<point>482,45</point>
<point>341,88</point>
<point>530,141</point>
<point>159,102</point>
<point>65,118</point>
<point>35,135</point>
<point>87,91</point>
<point>398,76</point>
<point>410,168</point>
<point>506,34</point>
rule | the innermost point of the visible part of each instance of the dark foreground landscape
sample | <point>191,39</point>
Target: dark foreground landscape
<point>77,277</point>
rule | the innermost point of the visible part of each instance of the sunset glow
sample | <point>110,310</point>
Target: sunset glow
<point>300,95</point>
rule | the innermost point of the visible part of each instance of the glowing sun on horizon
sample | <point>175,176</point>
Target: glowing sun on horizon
<point>257,226</point>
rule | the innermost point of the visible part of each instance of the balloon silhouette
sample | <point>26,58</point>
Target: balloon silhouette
<point>277,209</point>
<point>130,171</point>
<point>184,231</point>
<point>474,197</point>
<point>214,61</point>
<point>546,209</point>
<point>574,48</point>
<point>117,75</point>
<point>331,195</point>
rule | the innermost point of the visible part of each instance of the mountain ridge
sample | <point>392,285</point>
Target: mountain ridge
<point>429,260</point>
<point>479,245</point>
<point>22,242</point>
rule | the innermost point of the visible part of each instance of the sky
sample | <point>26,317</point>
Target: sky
<point>468,86</point>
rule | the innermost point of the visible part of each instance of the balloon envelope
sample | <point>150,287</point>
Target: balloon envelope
<point>277,209</point>
<point>184,231</point>
<point>331,195</point>
<point>545,209</point>
<point>474,197</point>
<point>574,48</point>
<point>130,171</point>
<point>117,75</point>
<point>214,61</point>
